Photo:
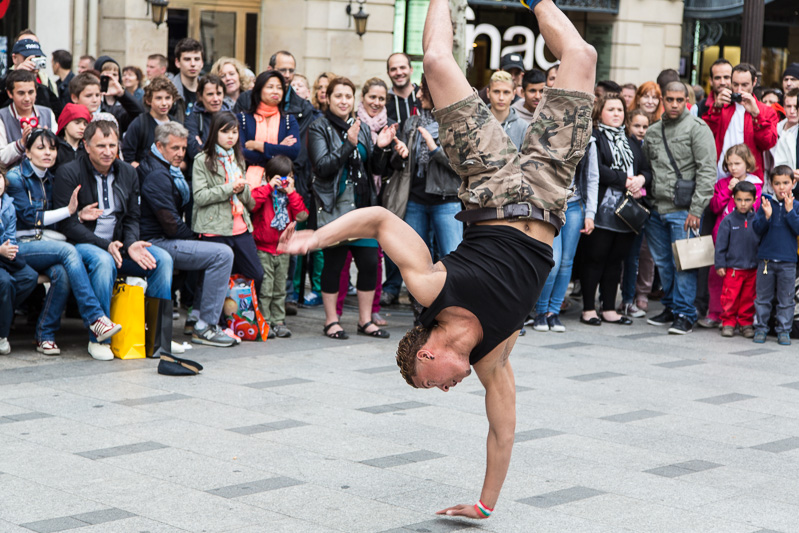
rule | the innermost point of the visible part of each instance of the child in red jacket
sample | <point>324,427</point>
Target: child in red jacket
<point>277,204</point>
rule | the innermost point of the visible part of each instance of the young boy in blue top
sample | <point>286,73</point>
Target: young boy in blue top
<point>777,224</point>
<point>736,262</point>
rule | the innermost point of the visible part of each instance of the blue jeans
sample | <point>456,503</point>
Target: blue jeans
<point>14,289</point>
<point>441,218</point>
<point>62,264</point>
<point>103,272</point>
<point>564,247</point>
<point>679,287</point>
<point>630,275</point>
<point>774,279</point>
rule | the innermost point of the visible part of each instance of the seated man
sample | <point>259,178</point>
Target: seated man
<point>111,245</point>
<point>165,194</point>
<point>478,297</point>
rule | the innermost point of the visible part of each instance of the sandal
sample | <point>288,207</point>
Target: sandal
<point>378,320</point>
<point>340,334</point>
<point>379,333</point>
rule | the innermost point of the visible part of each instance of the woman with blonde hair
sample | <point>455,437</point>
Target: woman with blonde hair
<point>649,98</point>
<point>234,75</point>
<point>319,92</point>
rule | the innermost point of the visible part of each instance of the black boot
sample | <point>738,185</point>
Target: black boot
<point>158,327</point>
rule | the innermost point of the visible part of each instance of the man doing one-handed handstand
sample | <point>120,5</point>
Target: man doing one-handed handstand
<point>477,297</point>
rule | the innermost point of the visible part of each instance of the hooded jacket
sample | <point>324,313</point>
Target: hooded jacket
<point>126,108</point>
<point>515,127</point>
<point>266,237</point>
<point>736,242</point>
<point>692,145</point>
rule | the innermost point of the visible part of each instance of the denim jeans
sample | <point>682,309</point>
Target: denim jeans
<point>441,219</point>
<point>679,288</point>
<point>14,289</point>
<point>563,250</point>
<point>215,260</point>
<point>45,257</point>
<point>774,279</point>
<point>630,275</point>
<point>103,272</point>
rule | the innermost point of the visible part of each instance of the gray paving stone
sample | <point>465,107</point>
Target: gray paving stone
<point>726,398</point>
<point>271,426</point>
<point>402,459</point>
<point>753,351</point>
<point>23,417</point>
<point>766,531</point>
<point>115,451</point>
<point>681,469</point>
<point>440,525</point>
<point>632,416</point>
<point>565,345</point>
<point>392,407</point>
<point>534,434</point>
<point>153,399</point>
<point>793,385</point>
<point>379,369</point>
<point>680,363</point>
<point>595,376</point>
<point>645,335</point>
<point>103,516</point>
<point>277,383</point>
<point>778,446</point>
<point>54,524</point>
<point>559,497</point>
<point>519,388</point>
<point>254,487</point>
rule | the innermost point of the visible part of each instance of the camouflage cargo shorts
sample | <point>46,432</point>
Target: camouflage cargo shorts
<point>495,173</point>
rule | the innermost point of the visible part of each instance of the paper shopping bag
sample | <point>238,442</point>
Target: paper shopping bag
<point>696,252</point>
<point>127,310</point>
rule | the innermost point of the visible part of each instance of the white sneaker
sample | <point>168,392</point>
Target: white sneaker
<point>177,348</point>
<point>103,328</point>
<point>5,348</point>
<point>101,352</point>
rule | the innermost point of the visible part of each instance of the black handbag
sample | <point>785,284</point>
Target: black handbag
<point>683,189</point>
<point>632,213</point>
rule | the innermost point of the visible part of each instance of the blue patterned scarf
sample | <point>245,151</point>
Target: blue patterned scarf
<point>177,176</point>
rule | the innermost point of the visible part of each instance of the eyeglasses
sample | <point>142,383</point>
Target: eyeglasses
<point>286,70</point>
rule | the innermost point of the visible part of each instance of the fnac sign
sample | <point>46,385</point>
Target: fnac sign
<point>531,47</point>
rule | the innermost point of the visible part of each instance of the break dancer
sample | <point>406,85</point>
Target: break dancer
<point>477,297</point>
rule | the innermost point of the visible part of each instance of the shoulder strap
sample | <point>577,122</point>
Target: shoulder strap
<point>668,152</point>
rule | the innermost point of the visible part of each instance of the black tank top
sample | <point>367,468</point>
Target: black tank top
<point>496,273</point>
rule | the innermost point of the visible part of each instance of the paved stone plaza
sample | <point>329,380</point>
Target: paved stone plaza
<point>619,429</point>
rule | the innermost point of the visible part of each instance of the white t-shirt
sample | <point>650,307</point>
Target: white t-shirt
<point>734,135</point>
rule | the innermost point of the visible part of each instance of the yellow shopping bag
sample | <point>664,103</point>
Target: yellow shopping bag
<point>127,310</point>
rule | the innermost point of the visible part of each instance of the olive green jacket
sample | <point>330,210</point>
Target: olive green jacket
<point>212,212</point>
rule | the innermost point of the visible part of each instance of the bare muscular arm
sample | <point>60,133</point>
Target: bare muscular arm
<point>400,242</point>
<point>496,375</point>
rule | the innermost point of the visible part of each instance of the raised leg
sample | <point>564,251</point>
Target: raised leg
<point>444,77</point>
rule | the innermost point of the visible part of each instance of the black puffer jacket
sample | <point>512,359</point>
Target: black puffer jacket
<point>328,153</point>
<point>162,207</point>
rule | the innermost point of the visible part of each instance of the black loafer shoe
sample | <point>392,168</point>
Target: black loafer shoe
<point>594,321</point>
<point>623,321</point>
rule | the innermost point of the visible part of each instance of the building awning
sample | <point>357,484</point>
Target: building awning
<point>594,6</point>
<point>714,9</point>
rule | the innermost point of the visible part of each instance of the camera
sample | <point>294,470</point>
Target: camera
<point>284,182</point>
<point>40,63</point>
<point>33,122</point>
<point>736,97</point>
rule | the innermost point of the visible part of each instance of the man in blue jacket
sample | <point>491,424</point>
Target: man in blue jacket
<point>165,194</point>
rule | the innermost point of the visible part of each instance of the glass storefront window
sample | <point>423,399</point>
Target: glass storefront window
<point>218,35</point>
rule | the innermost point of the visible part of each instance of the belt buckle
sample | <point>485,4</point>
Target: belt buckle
<point>529,211</point>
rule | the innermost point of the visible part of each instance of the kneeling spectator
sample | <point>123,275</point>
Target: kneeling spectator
<point>111,245</point>
<point>165,195</point>
<point>277,204</point>
<point>736,262</point>
<point>777,225</point>
<point>17,279</point>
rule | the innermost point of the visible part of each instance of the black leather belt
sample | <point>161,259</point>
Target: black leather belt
<point>519,211</point>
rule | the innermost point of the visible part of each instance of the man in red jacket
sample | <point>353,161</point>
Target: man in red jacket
<point>735,116</point>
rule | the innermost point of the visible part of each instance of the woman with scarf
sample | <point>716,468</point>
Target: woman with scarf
<point>266,131</point>
<point>345,160</point>
<point>222,198</point>
<point>622,168</point>
<point>372,112</point>
<point>424,189</point>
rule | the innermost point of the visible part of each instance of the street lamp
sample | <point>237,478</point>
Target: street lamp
<point>360,18</point>
<point>159,10</point>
